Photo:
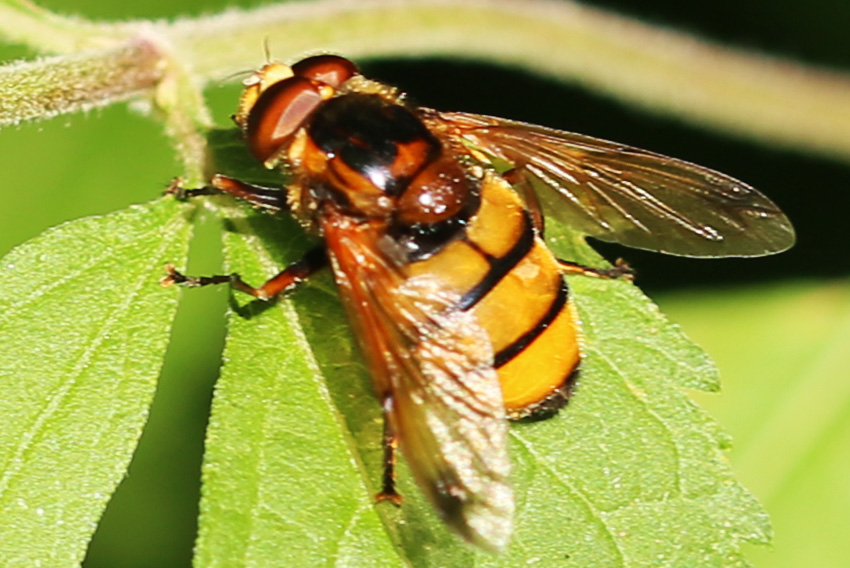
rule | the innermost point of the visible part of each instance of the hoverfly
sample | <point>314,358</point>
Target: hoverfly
<point>460,310</point>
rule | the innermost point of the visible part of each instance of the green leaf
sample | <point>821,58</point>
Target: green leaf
<point>784,356</point>
<point>632,473</point>
<point>83,326</point>
<point>280,484</point>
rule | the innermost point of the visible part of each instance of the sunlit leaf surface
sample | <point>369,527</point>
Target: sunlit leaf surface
<point>84,324</point>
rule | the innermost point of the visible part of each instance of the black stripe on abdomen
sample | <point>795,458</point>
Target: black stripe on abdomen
<point>500,267</point>
<point>527,338</point>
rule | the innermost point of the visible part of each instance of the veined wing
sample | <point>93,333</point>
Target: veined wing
<point>630,196</point>
<point>432,365</point>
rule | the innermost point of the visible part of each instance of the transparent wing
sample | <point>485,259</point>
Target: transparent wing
<point>630,196</point>
<point>434,364</point>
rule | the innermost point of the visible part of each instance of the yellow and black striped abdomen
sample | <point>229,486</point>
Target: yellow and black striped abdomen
<point>505,275</point>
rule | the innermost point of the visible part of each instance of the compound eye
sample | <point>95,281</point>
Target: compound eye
<point>279,111</point>
<point>331,70</point>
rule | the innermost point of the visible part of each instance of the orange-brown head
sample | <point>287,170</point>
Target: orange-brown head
<point>353,143</point>
<point>278,99</point>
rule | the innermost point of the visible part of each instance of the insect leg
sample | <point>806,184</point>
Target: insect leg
<point>390,442</point>
<point>177,189</point>
<point>272,199</point>
<point>619,270</point>
<point>287,279</point>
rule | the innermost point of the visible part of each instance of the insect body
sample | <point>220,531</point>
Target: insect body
<point>461,312</point>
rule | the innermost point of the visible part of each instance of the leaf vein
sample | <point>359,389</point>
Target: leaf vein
<point>563,480</point>
<point>652,414</point>
<point>66,387</point>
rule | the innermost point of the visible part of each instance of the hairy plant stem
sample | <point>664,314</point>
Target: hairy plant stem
<point>751,95</point>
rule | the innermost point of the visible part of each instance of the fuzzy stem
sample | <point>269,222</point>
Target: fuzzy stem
<point>25,23</point>
<point>72,83</point>
<point>667,72</point>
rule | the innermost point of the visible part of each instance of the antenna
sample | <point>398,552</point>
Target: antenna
<point>234,75</point>
<point>267,50</point>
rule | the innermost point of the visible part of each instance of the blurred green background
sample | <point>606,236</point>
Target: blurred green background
<point>779,328</point>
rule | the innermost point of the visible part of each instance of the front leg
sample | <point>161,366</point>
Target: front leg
<point>288,278</point>
<point>271,199</point>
